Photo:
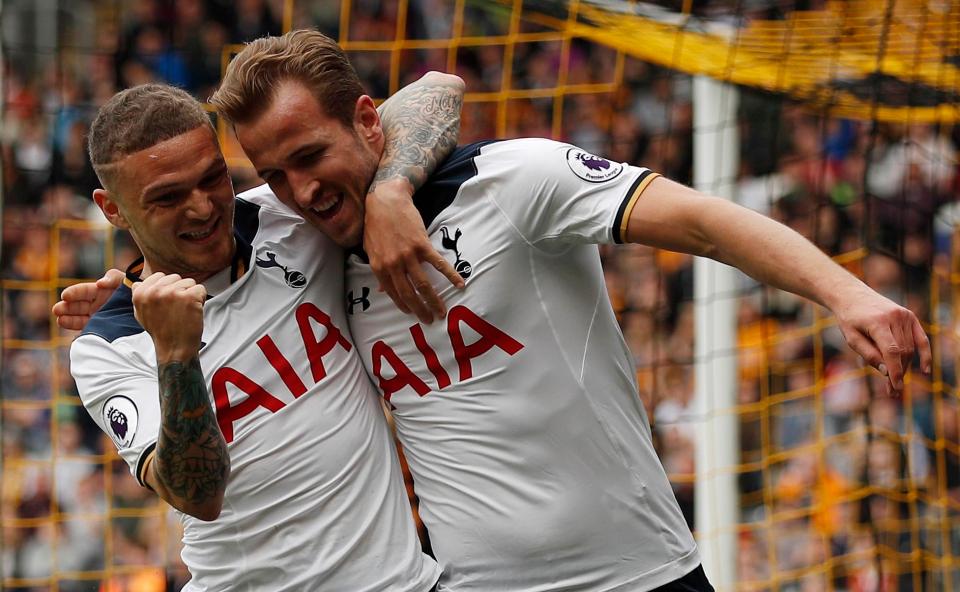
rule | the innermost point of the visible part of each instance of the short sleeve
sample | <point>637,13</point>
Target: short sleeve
<point>551,191</point>
<point>120,392</point>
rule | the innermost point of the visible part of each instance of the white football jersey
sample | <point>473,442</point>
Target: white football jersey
<point>518,413</point>
<point>315,499</point>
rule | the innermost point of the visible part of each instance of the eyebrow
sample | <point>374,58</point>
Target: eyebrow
<point>308,147</point>
<point>151,191</point>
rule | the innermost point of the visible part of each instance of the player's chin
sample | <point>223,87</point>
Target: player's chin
<point>345,243</point>
<point>210,255</point>
<point>347,237</point>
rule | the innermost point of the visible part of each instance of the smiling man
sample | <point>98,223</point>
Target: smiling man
<point>222,367</point>
<point>319,162</point>
<point>146,186</point>
<point>519,415</point>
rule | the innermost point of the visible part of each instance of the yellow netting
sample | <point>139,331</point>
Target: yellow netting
<point>866,59</point>
<point>69,497</point>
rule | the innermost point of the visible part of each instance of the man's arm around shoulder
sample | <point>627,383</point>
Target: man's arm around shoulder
<point>421,126</point>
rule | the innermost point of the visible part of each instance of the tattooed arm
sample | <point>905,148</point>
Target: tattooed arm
<point>421,125</point>
<point>191,464</point>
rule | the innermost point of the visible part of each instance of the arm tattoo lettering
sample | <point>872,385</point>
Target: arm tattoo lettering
<point>421,126</point>
<point>191,457</point>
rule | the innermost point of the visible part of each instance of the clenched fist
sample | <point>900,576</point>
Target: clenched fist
<point>170,309</point>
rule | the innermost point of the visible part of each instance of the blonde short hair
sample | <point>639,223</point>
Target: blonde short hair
<point>138,118</point>
<point>304,56</point>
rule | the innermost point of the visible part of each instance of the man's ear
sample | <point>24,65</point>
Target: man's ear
<point>110,209</point>
<point>366,119</point>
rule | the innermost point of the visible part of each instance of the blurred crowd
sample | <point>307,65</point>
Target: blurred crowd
<point>832,469</point>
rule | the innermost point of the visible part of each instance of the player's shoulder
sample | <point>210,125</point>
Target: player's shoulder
<point>262,200</point>
<point>477,165</point>
<point>520,151</point>
<point>259,216</point>
<point>261,196</point>
<point>445,183</point>
<point>462,163</point>
<point>455,170</point>
<point>524,159</point>
<point>115,319</point>
<point>530,160</point>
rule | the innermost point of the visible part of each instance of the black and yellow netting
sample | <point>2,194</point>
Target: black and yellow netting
<point>889,60</point>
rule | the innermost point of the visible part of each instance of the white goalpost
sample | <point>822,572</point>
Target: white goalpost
<point>715,164</point>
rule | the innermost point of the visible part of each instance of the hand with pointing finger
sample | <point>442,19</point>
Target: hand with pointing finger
<point>397,244</point>
<point>885,334</point>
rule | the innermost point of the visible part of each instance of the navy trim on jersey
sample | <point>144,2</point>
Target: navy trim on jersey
<point>442,186</point>
<point>143,458</point>
<point>246,223</point>
<point>618,221</point>
<point>115,318</point>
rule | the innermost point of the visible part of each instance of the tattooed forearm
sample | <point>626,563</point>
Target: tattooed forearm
<point>421,125</point>
<point>191,459</point>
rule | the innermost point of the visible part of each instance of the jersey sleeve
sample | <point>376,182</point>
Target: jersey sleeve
<point>120,392</point>
<point>551,191</point>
